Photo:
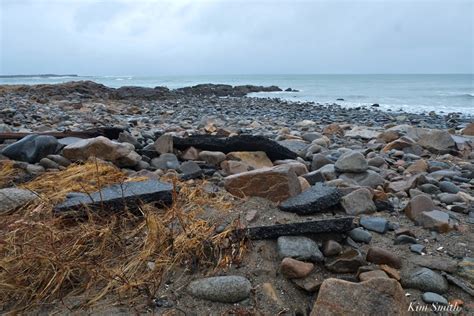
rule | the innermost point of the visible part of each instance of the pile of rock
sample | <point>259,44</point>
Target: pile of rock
<point>389,207</point>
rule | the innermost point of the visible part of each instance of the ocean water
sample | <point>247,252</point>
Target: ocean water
<point>410,93</point>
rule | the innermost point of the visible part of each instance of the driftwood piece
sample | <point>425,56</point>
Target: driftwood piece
<point>335,225</point>
<point>273,150</point>
<point>109,132</point>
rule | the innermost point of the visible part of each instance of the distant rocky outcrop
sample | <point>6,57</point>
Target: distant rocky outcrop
<point>93,90</point>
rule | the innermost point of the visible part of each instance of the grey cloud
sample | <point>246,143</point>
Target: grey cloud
<point>148,37</point>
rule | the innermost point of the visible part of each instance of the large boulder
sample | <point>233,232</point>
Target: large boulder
<point>122,154</point>
<point>438,141</point>
<point>13,198</point>
<point>32,148</point>
<point>276,184</point>
<point>377,296</point>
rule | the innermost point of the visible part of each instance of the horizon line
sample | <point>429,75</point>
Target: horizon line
<point>230,74</point>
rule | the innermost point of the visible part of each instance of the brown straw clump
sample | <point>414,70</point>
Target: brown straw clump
<point>7,172</point>
<point>118,258</point>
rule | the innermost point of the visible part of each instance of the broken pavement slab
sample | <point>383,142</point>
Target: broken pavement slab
<point>335,225</point>
<point>318,198</point>
<point>117,197</point>
<point>273,150</point>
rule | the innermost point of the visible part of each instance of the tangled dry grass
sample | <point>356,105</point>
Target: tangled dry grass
<point>7,173</point>
<point>119,258</point>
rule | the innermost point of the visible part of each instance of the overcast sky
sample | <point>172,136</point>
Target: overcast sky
<point>176,37</point>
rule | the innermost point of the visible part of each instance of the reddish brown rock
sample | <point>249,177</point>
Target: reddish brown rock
<point>333,129</point>
<point>418,166</point>
<point>468,130</point>
<point>388,136</point>
<point>378,296</point>
<point>406,184</point>
<point>295,269</point>
<point>276,184</point>
<point>381,256</point>
<point>304,184</point>
<point>391,272</point>
<point>331,248</point>
<point>399,144</point>
<point>418,205</point>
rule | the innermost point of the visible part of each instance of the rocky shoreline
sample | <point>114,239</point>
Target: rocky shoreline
<point>337,205</point>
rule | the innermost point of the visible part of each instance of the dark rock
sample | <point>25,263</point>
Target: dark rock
<point>336,225</point>
<point>133,92</point>
<point>331,248</point>
<point>223,90</point>
<point>449,187</point>
<point>316,199</point>
<point>314,177</point>
<point>417,248</point>
<point>429,188</point>
<point>384,205</point>
<point>190,170</point>
<point>32,148</point>
<point>273,150</point>
<point>360,235</point>
<point>117,197</point>
<point>404,239</point>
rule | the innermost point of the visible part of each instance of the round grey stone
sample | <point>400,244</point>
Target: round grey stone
<point>360,235</point>
<point>430,298</point>
<point>425,279</point>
